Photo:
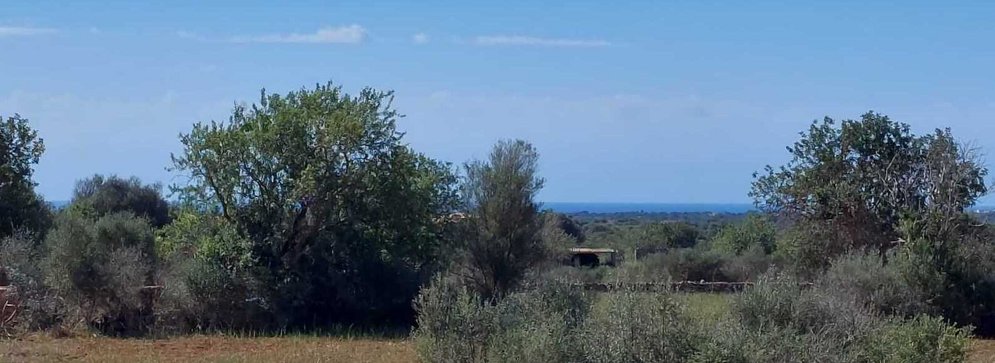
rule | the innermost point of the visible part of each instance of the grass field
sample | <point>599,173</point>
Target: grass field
<point>231,349</point>
<point>207,349</point>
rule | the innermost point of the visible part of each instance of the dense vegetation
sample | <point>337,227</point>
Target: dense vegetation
<point>308,211</point>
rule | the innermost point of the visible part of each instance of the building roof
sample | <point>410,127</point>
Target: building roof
<point>592,250</point>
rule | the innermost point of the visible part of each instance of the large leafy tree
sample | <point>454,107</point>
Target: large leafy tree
<point>340,213</point>
<point>20,150</point>
<point>503,236</point>
<point>854,183</point>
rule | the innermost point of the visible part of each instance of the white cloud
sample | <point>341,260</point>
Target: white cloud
<point>420,38</point>
<point>13,31</point>
<point>190,35</point>
<point>519,40</point>
<point>350,34</point>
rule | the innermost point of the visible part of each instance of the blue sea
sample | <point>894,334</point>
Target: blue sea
<point>574,207</point>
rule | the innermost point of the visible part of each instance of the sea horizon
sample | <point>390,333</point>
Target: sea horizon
<point>637,207</point>
<point>633,207</point>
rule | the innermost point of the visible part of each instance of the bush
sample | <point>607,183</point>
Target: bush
<point>956,279</point>
<point>922,339</point>
<point>884,288</point>
<point>783,323</point>
<point>748,265</point>
<point>697,264</point>
<point>637,327</point>
<point>98,268</point>
<point>19,267</point>
<point>755,232</point>
<point>456,325</point>
<point>100,196</point>
<point>651,269</point>
<point>200,295</point>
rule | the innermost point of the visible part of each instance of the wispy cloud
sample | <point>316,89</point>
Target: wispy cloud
<point>350,34</point>
<point>14,31</point>
<point>520,40</point>
<point>420,38</point>
<point>190,35</point>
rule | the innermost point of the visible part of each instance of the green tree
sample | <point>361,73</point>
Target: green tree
<point>853,184</point>
<point>340,213</point>
<point>503,239</point>
<point>106,195</point>
<point>20,150</point>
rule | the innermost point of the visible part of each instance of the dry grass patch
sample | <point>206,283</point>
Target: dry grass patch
<point>982,351</point>
<point>206,349</point>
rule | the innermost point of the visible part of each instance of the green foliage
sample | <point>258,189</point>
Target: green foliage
<point>884,288</point>
<point>550,323</point>
<point>921,339</point>
<point>454,324</point>
<point>664,235</point>
<point>638,327</point>
<point>339,214</point>
<point>99,196</point>
<point>208,276</point>
<point>783,323</point>
<point>207,237</point>
<point>757,231</point>
<point>502,236</point>
<point>20,266</point>
<point>956,279</point>
<point>854,183</point>
<point>98,268</point>
<point>697,264</point>
<point>565,224</point>
<point>20,150</point>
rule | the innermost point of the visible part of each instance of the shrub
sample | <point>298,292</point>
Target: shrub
<point>748,265</point>
<point>957,279</point>
<point>539,325</point>
<point>664,235</point>
<point>456,325</point>
<point>921,339</point>
<point>19,266</point>
<point>755,232</point>
<point>100,196</point>
<point>884,288</point>
<point>98,268</point>
<point>651,268</point>
<point>637,327</point>
<point>208,277</point>
<point>694,264</point>
<point>574,275</point>
<point>782,323</point>
<point>200,295</point>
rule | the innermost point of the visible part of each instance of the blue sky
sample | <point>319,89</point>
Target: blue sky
<point>677,101</point>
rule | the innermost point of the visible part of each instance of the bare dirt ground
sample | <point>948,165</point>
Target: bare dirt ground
<point>236,349</point>
<point>206,349</point>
